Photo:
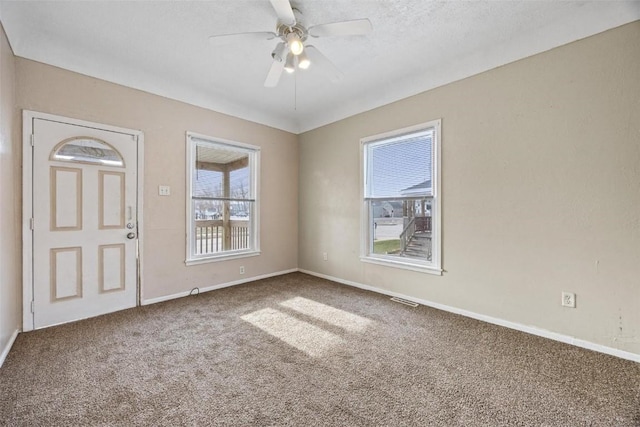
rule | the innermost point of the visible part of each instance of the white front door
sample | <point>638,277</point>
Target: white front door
<point>85,233</point>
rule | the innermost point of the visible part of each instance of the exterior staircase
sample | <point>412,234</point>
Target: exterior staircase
<point>415,239</point>
<point>419,246</point>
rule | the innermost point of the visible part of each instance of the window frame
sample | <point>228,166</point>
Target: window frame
<point>366,242</point>
<point>253,151</point>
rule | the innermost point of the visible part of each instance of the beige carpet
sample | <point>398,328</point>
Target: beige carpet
<point>300,351</point>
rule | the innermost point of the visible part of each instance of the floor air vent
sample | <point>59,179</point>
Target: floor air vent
<point>405,302</point>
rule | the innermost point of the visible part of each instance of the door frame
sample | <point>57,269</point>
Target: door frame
<point>28,118</point>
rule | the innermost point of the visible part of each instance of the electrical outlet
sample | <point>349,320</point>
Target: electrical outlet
<point>164,190</point>
<point>242,269</point>
<point>325,256</point>
<point>569,299</point>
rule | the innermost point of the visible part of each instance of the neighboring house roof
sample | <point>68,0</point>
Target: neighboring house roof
<point>421,188</point>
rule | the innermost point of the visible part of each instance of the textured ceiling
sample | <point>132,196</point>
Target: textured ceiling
<point>163,48</point>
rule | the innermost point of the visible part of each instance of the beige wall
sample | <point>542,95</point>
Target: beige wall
<point>164,122</point>
<point>541,191</point>
<point>10,273</point>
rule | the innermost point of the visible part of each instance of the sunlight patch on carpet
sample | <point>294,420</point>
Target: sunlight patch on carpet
<point>334,316</point>
<point>304,336</point>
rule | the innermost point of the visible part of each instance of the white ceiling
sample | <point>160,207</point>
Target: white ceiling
<point>162,47</point>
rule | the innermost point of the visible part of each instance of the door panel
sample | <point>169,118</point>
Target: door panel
<point>85,205</point>
<point>66,273</point>
<point>111,267</point>
<point>66,198</point>
<point>111,199</point>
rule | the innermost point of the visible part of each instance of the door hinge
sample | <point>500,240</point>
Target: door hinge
<point>33,309</point>
<point>33,139</point>
<point>31,223</point>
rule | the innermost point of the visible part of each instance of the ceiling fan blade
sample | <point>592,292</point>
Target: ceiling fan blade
<point>274,74</point>
<point>284,11</point>
<point>321,61</point>
<point>345,28</point>
<point>224,39</point>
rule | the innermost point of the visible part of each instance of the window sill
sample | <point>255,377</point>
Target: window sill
<point>402,265</point>
<point>223,257</point>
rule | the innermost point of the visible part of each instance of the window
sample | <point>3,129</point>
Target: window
<point>222,205</point>
<point>87,150</point>
<point>401,210</point>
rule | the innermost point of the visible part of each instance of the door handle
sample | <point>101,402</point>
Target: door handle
<point>131,235</point>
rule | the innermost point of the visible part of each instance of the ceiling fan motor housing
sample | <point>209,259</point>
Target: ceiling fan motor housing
<point>284,30</point>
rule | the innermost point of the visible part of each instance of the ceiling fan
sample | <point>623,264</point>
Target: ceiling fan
<point>292,52</point>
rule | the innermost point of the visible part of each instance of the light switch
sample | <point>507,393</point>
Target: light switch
<point>164,190</point>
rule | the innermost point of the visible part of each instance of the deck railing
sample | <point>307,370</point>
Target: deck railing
<point>407,234</point>
<point>423,223</point>
<point>209,236</point>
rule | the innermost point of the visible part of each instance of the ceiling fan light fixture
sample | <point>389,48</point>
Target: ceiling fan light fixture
<point>279,53</point>
<point>303,61</point>
<point>295,43</point>
<point>290,65</point>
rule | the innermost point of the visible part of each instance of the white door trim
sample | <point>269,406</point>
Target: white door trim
<point>27,202</point>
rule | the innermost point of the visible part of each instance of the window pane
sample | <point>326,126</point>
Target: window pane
<point>402,228</point>
<point>401,168</point>
<point>207,209</point>
<point>209,230</point>
<point>87,150</point>
<point>239,183</point>
<point>215,235</point>
<point>208,183</point>
<point>212,162</point>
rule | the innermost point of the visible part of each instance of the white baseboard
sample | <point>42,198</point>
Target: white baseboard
<point>496,321</point>
<point>214,287</point>
<point>5,351</point>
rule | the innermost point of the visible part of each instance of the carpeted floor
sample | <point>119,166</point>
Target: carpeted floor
<point>296,350</point>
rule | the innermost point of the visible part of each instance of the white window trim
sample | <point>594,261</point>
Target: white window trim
<point>255,220</point>
<point>435,266</point>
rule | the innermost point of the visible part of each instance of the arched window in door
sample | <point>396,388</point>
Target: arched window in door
<point>86,149</point>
